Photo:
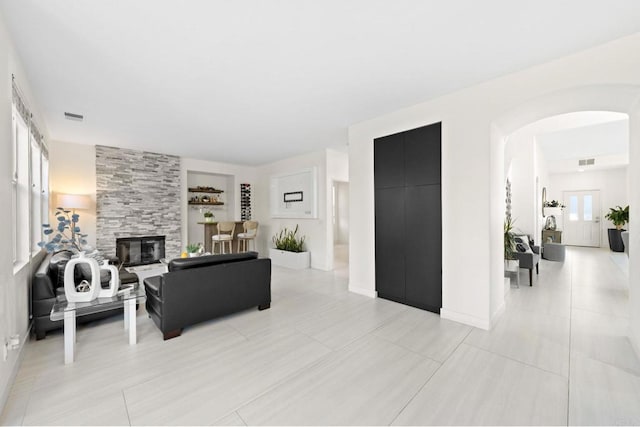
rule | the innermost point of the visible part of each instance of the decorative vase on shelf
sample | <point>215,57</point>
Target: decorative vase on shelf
<point>69,280</point>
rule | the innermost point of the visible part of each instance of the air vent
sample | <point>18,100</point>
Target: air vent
<point>73,116</point>
<point>586,162</point>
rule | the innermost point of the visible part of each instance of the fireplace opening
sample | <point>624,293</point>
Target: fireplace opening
<point>133,251</point>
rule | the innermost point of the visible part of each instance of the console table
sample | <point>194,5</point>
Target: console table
<point>68,311</point>
<point>211,228</point>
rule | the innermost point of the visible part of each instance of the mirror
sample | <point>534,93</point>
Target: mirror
<point>544,198</point>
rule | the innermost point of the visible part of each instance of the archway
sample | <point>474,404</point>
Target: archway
<point>615,98</point>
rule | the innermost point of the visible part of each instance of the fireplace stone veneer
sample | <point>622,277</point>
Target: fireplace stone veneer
<point>137,195</point>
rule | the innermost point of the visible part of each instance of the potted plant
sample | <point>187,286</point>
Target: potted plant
<point>289,250</point>
<point>193,249</point>
<point>619,216</point>
<point>208,216</point>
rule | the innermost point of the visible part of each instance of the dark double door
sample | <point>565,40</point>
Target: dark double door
<point>408,217</point>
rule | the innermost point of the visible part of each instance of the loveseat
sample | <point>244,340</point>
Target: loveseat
<point>48,283</point>
<point>528,254</point>
<point>197,289</point>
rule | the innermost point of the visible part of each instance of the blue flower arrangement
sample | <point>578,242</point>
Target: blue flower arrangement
<point>66,235</point>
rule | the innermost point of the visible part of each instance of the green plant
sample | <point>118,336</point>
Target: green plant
<point>67,233</point>
<point>554,204</point>
<point>208,214</point>
<point>619,216</point>
<point>192,248</point>
<point>509,239</point>
<point>286,240</point>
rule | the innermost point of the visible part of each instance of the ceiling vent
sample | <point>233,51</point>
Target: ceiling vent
<point>72,116</point>
<point>586,162</point>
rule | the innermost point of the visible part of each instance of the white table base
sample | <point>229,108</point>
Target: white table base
<point>70,329</point>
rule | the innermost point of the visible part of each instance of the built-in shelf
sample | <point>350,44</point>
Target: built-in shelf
<point>205,190</point>
<point>207,203</point>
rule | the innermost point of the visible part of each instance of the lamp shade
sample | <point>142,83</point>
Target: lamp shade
<point>72,201</point>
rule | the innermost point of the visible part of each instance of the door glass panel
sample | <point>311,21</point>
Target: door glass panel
<point>573,208</point>
<point>588,208</point>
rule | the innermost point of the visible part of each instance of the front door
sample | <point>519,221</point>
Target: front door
<point>582,218</point>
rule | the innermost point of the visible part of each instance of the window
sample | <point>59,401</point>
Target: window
<point>573,208</point>
<point>36,195</point>
<point>20,207</point>
<point>44,201</point>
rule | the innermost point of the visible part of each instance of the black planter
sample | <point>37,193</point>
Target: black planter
<point>615,240</point>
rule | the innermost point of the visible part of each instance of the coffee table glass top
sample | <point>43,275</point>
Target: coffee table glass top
<point>97,305</point>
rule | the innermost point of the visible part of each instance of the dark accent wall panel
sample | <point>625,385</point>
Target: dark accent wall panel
<point>408,217</point>
<point>388,161</point>
<point>422,155</point>
<point>390,227</point>
<point>423,248</point>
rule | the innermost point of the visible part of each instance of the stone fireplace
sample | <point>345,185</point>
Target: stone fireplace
<point>137,195</point>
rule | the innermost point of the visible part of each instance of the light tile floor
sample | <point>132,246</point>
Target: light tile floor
<point>322,355</point>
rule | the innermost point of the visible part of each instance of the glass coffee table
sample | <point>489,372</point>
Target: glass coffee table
<point>68,311</point>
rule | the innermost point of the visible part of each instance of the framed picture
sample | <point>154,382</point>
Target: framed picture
<point>294,195</point>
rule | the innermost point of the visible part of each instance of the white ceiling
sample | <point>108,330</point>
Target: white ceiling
<point>254,81</point>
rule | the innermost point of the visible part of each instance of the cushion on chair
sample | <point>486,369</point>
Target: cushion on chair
<point>524,240</point>
<point>222,237</point>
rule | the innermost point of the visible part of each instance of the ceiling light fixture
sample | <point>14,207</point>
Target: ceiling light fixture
<point>73,116</point>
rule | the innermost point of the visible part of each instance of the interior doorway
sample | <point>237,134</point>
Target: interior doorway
<point>582,222</point>
<point>340,222</point>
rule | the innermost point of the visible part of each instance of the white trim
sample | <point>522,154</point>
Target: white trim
<point>466,319</point>
<point>363,291</point>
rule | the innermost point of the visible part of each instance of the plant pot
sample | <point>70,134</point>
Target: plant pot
<point>295,260</point>
<point>208,219</point>
<point>615,240</point>
<point>192,254</point>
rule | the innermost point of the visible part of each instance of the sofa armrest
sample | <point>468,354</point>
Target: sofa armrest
<point>535,249</point>
<point>153,285</point>
<point>42,288</point>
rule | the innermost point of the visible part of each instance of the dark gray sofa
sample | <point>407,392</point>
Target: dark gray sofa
<point>202,288</point>
<point>48,283</point>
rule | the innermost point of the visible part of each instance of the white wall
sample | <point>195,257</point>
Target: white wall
<point>232,174</point>
<point>473,164</point>
<point>521,148</point>
<point>73,171</point>
<point>613,186</point>
<point>315,230</point>
<point>337,166</point>
<point>14,285</point>
<point>341,229</point>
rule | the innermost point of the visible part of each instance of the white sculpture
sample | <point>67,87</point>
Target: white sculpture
<point>114,282</point>
<point>69,281</point>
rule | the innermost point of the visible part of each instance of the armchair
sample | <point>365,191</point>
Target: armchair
<point>528,258</point>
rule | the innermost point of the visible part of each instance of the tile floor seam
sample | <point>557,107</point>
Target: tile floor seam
<point>440,365</point>
<point>239,416</point>
<point>517,361</point>
<point>570,327</point>
<point>410,350</point>
<point>126,407</point>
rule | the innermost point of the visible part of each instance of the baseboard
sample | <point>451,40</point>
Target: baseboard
<point>466,319</point>
<point>14,372</point>
<point>497,314</point>
<point>361,291</point>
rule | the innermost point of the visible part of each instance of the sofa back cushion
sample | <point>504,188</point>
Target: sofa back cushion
<point>208,260</point>
<point>57,263</point>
